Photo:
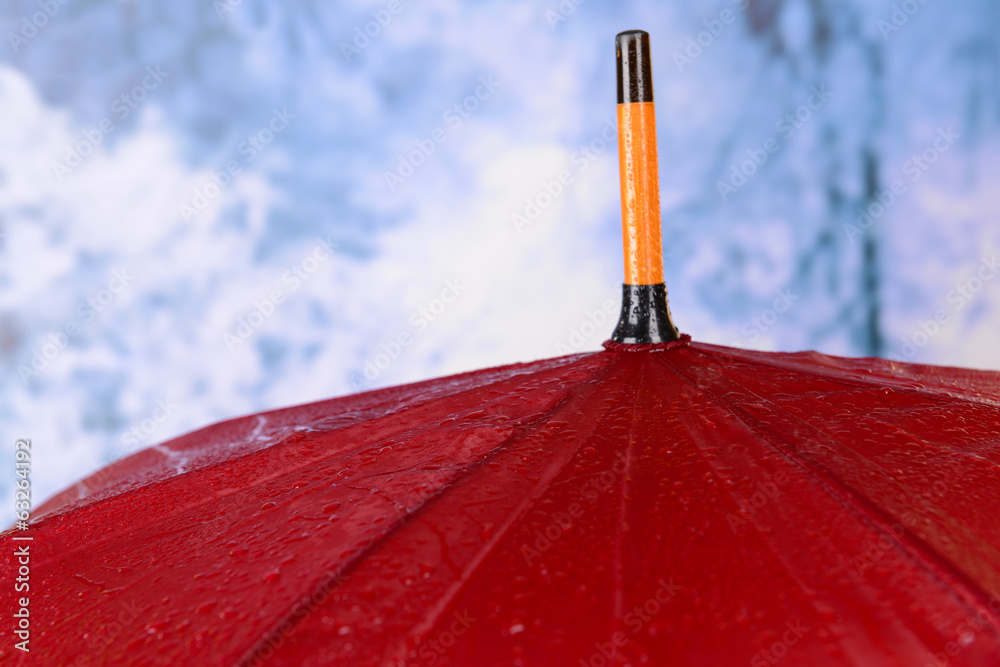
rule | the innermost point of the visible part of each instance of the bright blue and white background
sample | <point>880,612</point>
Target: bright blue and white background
<point>210,208</point>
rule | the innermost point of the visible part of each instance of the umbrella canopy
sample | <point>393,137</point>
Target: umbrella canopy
<point>660,502</point>
<point>678,503</point>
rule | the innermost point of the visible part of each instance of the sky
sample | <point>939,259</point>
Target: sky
<point>209,209</point>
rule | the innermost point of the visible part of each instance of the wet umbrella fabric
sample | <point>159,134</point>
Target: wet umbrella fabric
<point>679,504</point>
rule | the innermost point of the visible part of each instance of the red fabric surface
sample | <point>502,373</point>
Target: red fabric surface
<point>677,505</point>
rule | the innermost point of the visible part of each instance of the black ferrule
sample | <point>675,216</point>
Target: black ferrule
<point>635,73</point>
<point>645,317</point>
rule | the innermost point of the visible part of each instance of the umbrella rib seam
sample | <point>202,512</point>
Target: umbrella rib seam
<point>138,486</point>
<point>345,570</point>
<point>95,497</point>
<point>933,563</point>
<point>857,380</point>
<point>619,600</point>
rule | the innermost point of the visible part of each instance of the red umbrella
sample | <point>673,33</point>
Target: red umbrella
<point>660,502</point>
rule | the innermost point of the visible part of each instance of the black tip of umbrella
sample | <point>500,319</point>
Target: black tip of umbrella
<point>645,317</point>
<point>635,74</point>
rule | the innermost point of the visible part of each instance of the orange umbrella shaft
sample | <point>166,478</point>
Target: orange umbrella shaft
<point>640,185</point>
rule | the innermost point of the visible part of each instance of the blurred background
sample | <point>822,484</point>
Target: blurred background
<point>215,207</point>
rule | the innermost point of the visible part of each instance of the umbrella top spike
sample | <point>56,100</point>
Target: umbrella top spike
<point>635,73</point>
<point>645,317</point>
